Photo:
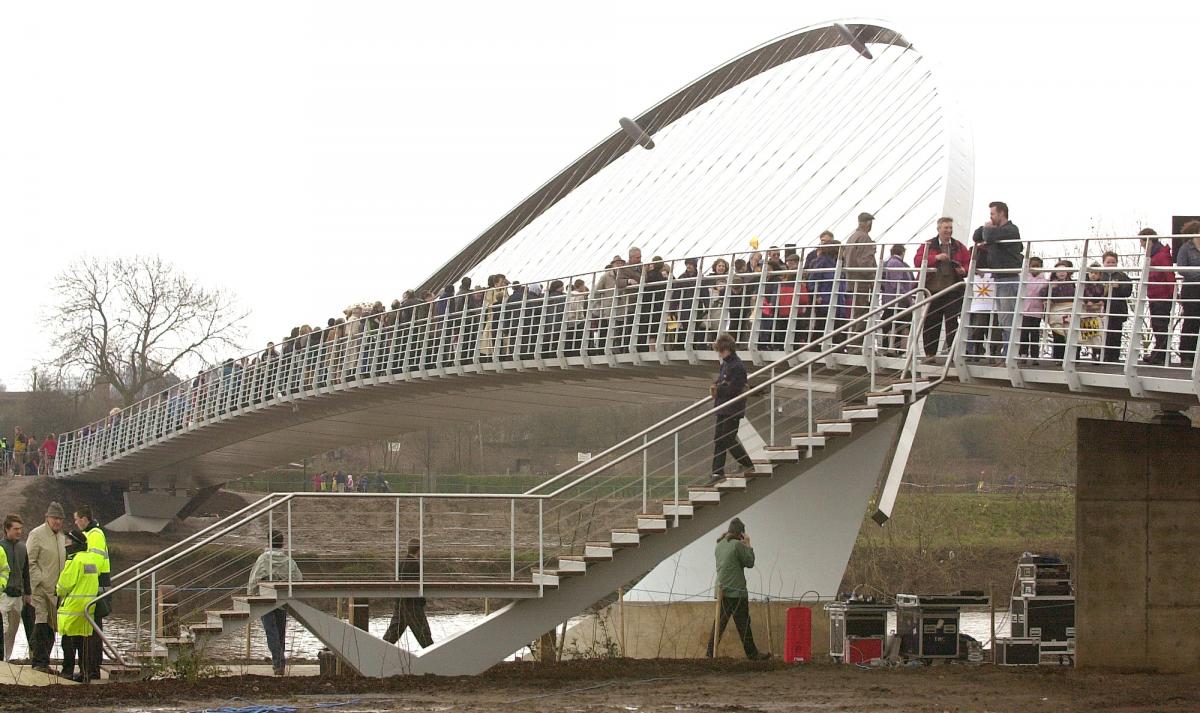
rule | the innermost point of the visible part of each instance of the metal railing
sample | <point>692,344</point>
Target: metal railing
<point>490,538</point>
<point>1126,312</point>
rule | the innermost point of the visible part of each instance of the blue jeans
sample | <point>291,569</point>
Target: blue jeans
<point>274,623</point>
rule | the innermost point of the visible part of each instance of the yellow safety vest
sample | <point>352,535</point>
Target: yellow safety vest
<point>98,545</point>
<point>3,568</point>
<point>78,585</point>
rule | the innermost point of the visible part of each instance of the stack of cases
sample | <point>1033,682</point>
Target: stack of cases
<point>1043,613</point>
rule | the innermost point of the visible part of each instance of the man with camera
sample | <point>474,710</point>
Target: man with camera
<point>733,554</point>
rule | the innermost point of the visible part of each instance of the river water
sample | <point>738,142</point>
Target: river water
<point>304,646</point>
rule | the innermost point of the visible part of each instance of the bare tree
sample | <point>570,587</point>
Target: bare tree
<point>132,322</point>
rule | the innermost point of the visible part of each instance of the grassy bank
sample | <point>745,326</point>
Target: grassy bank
<point>946,542</point>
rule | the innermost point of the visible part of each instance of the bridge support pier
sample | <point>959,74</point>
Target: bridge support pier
<point>153,510</point>
<point>1137,523</point>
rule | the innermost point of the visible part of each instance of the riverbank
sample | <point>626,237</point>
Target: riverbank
<point>624,684</point>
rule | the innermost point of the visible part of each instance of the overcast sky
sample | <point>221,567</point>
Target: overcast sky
<point>308,155</point>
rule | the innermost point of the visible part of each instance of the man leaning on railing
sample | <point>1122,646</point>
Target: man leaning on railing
<point>1005,255</point>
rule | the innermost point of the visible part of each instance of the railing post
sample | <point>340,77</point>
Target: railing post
<point>809,408</point>
<point>541,552</point>
<point>954,351</point>
<point>835,299</point>
<point>1133,351</point>
<point>771,435</point>
<point>874,299</point>
<point>694,312</point>
<point>645,472</point>
<point>137,606</point>
<point>1013,349</point>
<point>676,460</point>
<point>153,610</point>
<point>421,550</point>
<point>1075,323</point>
<point>756,312</point>
<point>396,528</point>
<point>289,544</point>
<point>512,539</point>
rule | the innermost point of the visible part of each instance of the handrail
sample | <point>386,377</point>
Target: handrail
<point>747,393</point>
<point>421,316</point>
<point>194,535</point>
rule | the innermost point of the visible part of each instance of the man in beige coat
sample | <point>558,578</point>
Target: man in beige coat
<point>47,548</point>
<point>859,257</point>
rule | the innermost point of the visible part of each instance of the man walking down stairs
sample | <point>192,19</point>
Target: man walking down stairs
<point>274,565</point>
<point>734,554</point>
<point>730,383</point>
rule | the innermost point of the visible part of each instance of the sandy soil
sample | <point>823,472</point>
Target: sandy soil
<point>629,685</point>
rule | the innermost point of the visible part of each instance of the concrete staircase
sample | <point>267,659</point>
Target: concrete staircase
<point>567,584</point>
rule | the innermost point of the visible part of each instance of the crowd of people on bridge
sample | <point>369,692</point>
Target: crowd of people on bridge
<point>771,299</point>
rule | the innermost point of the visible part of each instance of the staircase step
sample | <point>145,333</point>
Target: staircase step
<point>652,522</point>
<point>918,387</point>
<point>783,453</point>
<point>572,564</point>
<point>704,495</point>
<point>886,399</point>
<point>860,413</point>
<point>803,440</point>
<point>202,629</point>
<point>732,483</point>
<point>834,428</point>
<point>626,537</point>
<point>215,618</point>
<point>599,550</point>
<point>682,508</point>
<point>549,578</point>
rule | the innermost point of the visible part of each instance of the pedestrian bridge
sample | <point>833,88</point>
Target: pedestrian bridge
<point>846,342</point>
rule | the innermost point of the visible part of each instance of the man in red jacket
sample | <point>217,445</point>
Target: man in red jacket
<point>1160,291</point>
<point>945,261</point>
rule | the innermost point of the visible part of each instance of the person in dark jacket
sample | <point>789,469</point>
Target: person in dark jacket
<point>730,383</point>
<point>1160,292</point>
<point>409,612</point>
<point>1005,257</point>
<point>1120,287</point>
<point>1189,292</point>
<point>15,607</point>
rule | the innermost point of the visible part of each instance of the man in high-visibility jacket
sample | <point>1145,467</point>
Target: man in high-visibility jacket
<point>3,584</point>
<point>77,586</point>
<point>97,544</point>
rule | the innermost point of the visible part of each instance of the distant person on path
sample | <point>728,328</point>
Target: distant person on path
<point>1005,254</point>
<point>274,565</point>
<point>78,584</point>
<point>47,547</point>
<point>15,607</point>
<point>409,612</point>
<point>733,555</point>
<point>1189,292</point>
<point>729,384</point>
<point>1160,291</point>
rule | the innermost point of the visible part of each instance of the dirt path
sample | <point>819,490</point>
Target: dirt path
<point>629,685</point>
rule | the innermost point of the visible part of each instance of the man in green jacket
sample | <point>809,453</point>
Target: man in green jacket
<point>734,554</point>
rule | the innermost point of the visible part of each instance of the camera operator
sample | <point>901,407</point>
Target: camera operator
<point>733,554</point>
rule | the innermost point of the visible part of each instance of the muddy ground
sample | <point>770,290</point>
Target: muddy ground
<point>638,685</point>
